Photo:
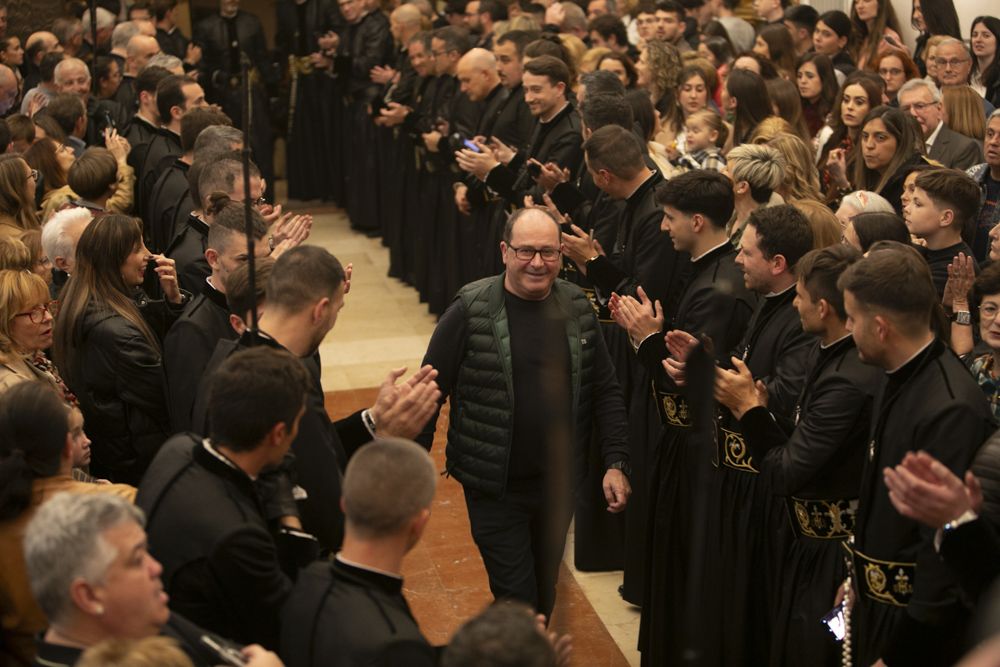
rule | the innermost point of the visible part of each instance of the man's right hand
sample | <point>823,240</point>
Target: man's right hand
<point>403,410</point>
<point>640,319</point>
<point>679,344</point>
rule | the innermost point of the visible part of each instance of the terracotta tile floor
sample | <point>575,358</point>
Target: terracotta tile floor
<point>445,581</point>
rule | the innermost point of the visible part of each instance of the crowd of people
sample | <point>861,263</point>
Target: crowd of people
<point>717,286</point>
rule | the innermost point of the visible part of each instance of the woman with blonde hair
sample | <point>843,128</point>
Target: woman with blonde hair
<point>769,128</point>
<point>825,227</point>
<point>801,175</point>
<point>963,111</point>
<point>17,196</point>
<point>108,342</point>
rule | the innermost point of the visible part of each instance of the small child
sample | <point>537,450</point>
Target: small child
<point>705,133</point>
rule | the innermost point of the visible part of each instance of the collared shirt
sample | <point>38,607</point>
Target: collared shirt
<point>913,356</point>
<point>368,568</point>
<point>930,140</point>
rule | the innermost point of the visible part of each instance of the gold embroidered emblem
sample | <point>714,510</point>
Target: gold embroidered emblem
<point>675,410</point>
<point>735,453</point>
<point>886,581</point>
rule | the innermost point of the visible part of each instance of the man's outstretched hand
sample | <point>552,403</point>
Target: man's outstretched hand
<point>402,410</point>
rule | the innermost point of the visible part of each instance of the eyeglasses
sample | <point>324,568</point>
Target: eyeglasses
<point>526,254</point>
<point>33,175</point>
<point>37,314</point>
<point>890,71</point>
<point>988,311</point>
<point>954,63</point>
<point>918,106</point>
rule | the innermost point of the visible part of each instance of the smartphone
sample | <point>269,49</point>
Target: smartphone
<point>227,653</point>
<point>834,622</point>
<point>471,145</point>
<point>109,121</point>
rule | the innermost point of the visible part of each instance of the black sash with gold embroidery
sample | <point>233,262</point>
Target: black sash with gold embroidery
<point>673,408</point>
<point>885,581</point>
<point>733,451</point>
<point>822,519</point>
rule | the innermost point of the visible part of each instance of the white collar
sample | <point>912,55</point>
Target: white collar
<point>915,355</point>
<point>369,568</point>
<point>709,251</point>
<point>824,347</point>
<point>934,134</point>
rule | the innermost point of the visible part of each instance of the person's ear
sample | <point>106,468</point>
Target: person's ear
<point>882,327</point>
<point>60,263</point>
<point>236,322</point>
<point>778,265</point>
<point>824,308</point>
<point>319,309</point>
<point>697,223</point>
<point>86,597</point>
<point>947,218</point>
<point>67,450</point>
<point>503,250</point>
<point>714,137</point>
<point>212,257</point>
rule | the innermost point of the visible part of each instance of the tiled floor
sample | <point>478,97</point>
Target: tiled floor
<point>383,326</point>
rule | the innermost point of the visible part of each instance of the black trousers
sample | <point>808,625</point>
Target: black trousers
<point>521,538</point>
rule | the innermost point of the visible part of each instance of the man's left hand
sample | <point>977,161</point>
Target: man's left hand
<point>478,164</point>
<point>580,248</point>
<point>924,489</point>
<point>736,389</point>
<point>403,410</point>
<point>616,490</point>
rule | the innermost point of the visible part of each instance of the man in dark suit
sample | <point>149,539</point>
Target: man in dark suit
<point>352,611</point>
<point>922,99</point>
<point>205,519</point>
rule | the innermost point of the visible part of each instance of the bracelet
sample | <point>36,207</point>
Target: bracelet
<point>366,418</point>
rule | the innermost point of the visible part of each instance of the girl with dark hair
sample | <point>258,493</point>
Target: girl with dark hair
<point>719,52</point>
<point>621,66</point>
<point>834,37</point>
<point>757,64</point>
<point>986,58</point>
<point>746,99</point>
<point>838,141</point>
<point>929,18</point>
<point>108,341</point>
<point>107,77</point>
<point>696,93</point>
<point>817,86</point>
<point>12,55</point>
<point>774,43</point>
<point>787,104</point>
<point>896,68</point>
<point>38,437</point>
<point>864,229</point>
<point>876,23</point>
<point>891,146</point>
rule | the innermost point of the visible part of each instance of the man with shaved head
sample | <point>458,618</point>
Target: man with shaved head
<point>140,49</point>
<point>8,89</point>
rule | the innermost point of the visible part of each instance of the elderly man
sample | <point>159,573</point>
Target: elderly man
<point>105,26</point>
<point>60,235</point>
<point>36,47</point>
<point>137,54</point>
<point>526,367</point>
<point>8,89</point>
<point>954,66</point>
<point>922,99</point>
<point>72,76</point>
<point>987,175</point>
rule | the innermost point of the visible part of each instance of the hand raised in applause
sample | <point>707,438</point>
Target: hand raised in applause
<point>737,390</point>
<point>924,489</point>
<point>402,410</point>
<point>640,318</point>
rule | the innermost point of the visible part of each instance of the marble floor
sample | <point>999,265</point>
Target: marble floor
<point>383,326</point>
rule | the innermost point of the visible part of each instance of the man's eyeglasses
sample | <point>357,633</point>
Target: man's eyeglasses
<point>526,254</point>
<point>37,314</point>
<point>954,63</point>
<point>918,106</point>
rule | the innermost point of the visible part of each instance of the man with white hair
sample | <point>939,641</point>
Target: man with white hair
<point>922,100</point>
<point>105,26</point>
<point>954,66</point>
<point>60,234</point>
<point>72,76</point>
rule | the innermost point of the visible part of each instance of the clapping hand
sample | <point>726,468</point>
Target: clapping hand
<point>737,390</point>
<point>679,345</point>
<point>924,489</point>
<point>402,410</point>
<point>478,163</point>
<point>640,318</point>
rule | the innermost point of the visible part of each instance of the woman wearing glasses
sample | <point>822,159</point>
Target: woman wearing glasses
<point>108,344</point>
<point>17,197</point>
<point>26,332</point>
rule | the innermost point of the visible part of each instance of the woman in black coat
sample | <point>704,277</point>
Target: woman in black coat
<point>108,342</point>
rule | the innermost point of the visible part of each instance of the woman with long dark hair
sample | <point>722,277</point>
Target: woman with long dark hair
<point>837,141</point>
<point>986,57</point>
<point>891,147</point>
<point>774,43</point>
<point>17,196</point>
<point>876,23</point>
<point>817,85</point>
<point>929,18</point>
<point>834,38</point>
<point>621,66</point>
<point>108,344</point>
<point>746,98</point>
<point>787,104</point>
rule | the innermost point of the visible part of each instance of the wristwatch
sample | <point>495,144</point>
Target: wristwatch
<point>962,317</point>
<point>622,465</point>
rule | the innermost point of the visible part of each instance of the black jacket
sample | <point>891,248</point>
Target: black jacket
<point>342,615</point>
<point>823,456</point>
<point>163,145</point>
<point>560,141</point>
<point>932,404</point>
<point>188,251</point>
<point>205,523</point>
<point>220,62</point>
<point>102,114</point>
<point>139,132</point>
<point>187,349</point>
<point>173,43</point>
<point>363,45</point>
<point>118,378</point>
<point>320,450</point>
<point>169,197</point>
<point>300,25</point>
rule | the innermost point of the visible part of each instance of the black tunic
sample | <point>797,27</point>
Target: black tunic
<point>162,146</point>
<point>816,471</point>
<point>188,251</point>
<point>679,603</point>
<point>187,348</point>
<point>170,193</point>
<point>340,614</point>
<point>912,613</point>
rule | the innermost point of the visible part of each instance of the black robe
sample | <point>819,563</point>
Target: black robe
<point>679,601</point>
<point>103,114</point>
<point>816,472</point>
<point>909,609</point>
<point>312,123</point>
<point>223,40</point>
<point>187,348</point>
<point>170,192</point>
<point>162,146</point>
<point>188,252</point>
<point>775,350</point>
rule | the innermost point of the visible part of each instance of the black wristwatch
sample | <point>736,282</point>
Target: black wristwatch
<point>622,465</point>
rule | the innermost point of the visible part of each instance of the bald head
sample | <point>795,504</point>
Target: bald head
<point>8,88</point>
<point>477,74</point>
<point>140,49</point>
<point>404,22</point>
<point>46,38</point>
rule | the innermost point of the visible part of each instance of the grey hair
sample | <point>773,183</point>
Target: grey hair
<point>55,241</point>
<point>166,61</point>
<point>760,165</point>
<point>913,84</point>
<point>217,138</point>
<point>122,33</point>
<point>64,542</point>
<point>995,114</point>
<point>867,202</point>
<point>386,484</point>
<point>67,64</point>
<point>951,40</point>
<point>105,19</point>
